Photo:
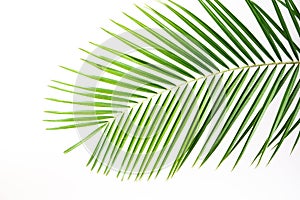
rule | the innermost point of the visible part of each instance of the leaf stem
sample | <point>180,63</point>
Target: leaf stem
<point>215,74</point>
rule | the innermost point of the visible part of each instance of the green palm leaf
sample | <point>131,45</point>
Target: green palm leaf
<point>193,83</point>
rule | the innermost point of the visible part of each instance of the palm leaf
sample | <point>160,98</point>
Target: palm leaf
<point>193,82</point>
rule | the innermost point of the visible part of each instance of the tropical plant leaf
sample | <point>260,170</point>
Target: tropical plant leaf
<point>193,83</point>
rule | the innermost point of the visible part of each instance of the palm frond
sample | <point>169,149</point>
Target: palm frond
<point>193,83</point>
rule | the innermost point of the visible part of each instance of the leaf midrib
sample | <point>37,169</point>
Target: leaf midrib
<point>210,75</point>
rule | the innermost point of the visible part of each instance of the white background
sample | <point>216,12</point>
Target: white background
<point>36,37</point>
